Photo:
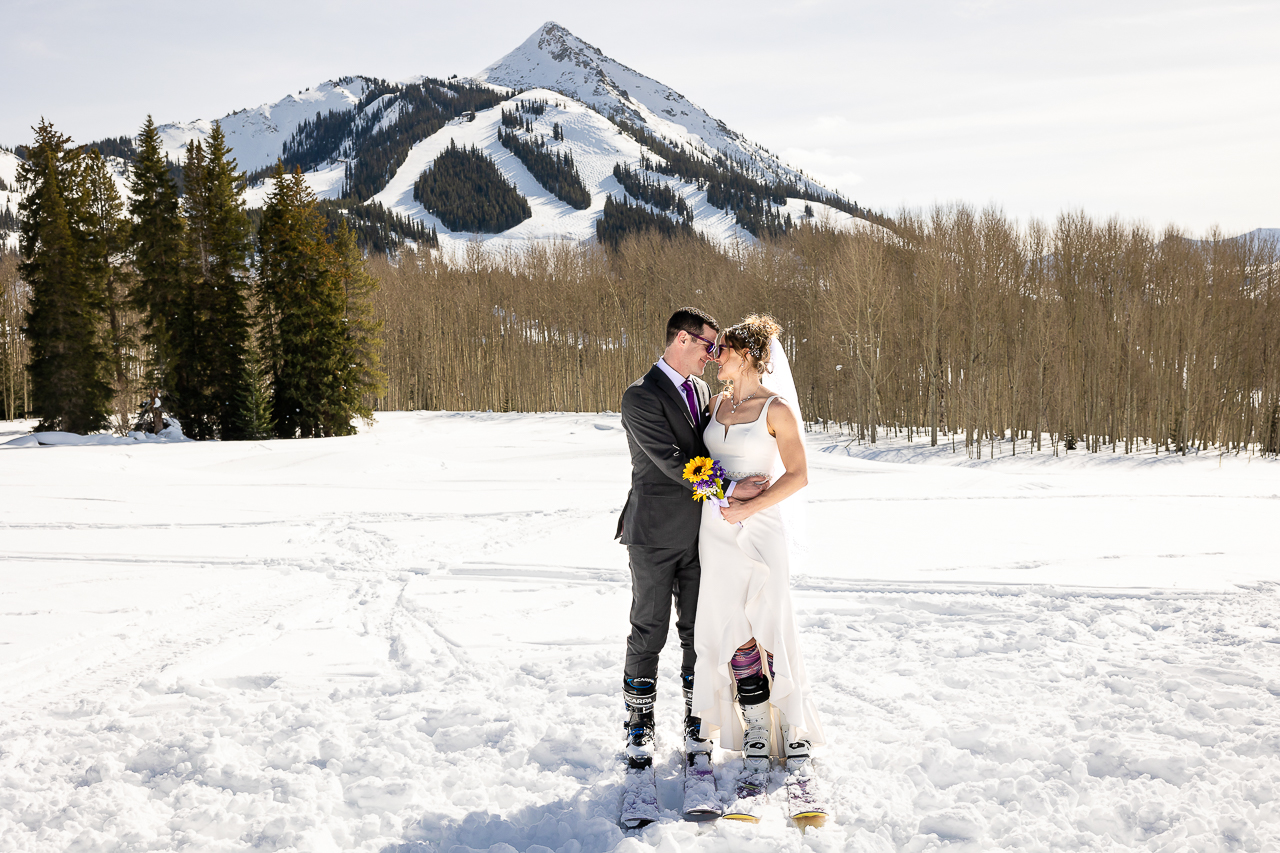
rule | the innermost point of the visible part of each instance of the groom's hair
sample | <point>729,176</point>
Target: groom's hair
<point>689,320</point>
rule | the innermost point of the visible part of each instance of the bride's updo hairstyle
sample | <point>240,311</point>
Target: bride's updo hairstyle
<point>751,337</point>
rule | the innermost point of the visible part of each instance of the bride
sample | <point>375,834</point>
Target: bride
<point>745,633</point>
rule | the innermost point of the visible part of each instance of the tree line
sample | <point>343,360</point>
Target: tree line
<point>734,186</point>
<point>170,294</point>
<point>642,187</point>
<point>467,192</point>
<point>962,328</point>
<point>554,170</point>
<point>622,218</point>
<point>957,327</point>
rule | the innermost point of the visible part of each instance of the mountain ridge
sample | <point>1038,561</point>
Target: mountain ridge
<point>363,139</point>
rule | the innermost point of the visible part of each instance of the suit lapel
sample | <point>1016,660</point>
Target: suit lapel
<point>673,393</point>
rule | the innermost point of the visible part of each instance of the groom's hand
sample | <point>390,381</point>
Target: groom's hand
<point>736,511</point>
<point>751,487</point>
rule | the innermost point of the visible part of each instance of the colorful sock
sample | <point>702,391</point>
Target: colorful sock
<point>746,663</point>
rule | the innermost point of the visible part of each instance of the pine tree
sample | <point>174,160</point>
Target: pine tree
<point>106,256</point>
<point>256,403</point>
<point>213,370</point>
<point>362,378</point>
<point>69,363</point>
<point>159,291</point>
<point>302,302</point>
<point>191,400</point>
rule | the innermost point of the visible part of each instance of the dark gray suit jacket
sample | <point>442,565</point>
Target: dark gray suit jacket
<point>660,511</point>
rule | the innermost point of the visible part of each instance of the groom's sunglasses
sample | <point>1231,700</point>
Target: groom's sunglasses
<point>714,348</point>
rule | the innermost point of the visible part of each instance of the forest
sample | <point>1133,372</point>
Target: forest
<point>554,170</point>
<point>468,192</point>
<point>176,303</point>
<point>961,328</point>
<point>955,325</point>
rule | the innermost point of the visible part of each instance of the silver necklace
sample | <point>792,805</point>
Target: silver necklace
<point>733,407</point>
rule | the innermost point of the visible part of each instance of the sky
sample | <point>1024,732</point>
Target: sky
<point>1167,113</point>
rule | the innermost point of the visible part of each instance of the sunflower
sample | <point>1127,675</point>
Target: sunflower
<point>699,468</point>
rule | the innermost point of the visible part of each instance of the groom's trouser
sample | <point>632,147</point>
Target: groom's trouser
<point>659,575</point>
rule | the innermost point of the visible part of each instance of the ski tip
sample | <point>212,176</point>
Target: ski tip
<point>809,820</point>
<point>638,823</point>
<point>745,818</point>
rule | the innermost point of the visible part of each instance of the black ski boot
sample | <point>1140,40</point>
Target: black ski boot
<point>639,694</point>
<point>694,742</point>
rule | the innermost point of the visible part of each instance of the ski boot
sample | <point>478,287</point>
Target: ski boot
<point>639,694</point>
<point>701,802</point>
<point>753,783</point>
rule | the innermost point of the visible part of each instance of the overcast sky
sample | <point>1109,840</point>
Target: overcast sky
<point>1157,110</point>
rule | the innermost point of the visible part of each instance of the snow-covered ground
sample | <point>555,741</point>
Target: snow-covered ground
<point>411,640</point>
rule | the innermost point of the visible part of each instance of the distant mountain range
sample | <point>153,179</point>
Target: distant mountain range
<point>369,140</point>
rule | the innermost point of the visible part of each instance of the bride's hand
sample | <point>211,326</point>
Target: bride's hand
<point>749,487</point>
<point>736,511</point>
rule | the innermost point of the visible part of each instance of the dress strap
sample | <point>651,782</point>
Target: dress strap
<point>764,413</point>
<point>716,407</point>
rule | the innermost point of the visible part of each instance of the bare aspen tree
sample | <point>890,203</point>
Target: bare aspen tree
<point>959,324</point>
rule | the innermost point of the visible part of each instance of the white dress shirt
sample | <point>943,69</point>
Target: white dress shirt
<point>678,381</point>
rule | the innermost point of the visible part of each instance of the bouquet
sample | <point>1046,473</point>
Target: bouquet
<point>708,478</point>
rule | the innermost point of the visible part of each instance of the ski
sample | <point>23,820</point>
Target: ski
<point>804,805</point>
<point>639,797</point>
<point>751,796</point>
<point>701,801</point>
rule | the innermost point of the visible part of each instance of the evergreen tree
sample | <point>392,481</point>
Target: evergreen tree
<point>469,193</point>
<point>106,250</point>
<point>159,257</point>
<point>302,303</point>
<point>213,376</point>
<point>69,363</point>
<point>362,377</point>
<point>256,404</point>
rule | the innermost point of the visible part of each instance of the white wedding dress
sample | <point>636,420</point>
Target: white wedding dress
<point>745,592</point>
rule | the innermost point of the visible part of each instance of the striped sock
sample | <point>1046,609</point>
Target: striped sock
<point>746,663</point>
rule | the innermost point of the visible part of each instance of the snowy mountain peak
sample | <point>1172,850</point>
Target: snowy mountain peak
<point>574,67</point>
<point>554,58</point>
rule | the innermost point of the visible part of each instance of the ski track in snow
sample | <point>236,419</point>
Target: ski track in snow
<point>411,640</point>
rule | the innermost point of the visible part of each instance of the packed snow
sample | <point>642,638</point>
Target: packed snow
<point>411,640</point>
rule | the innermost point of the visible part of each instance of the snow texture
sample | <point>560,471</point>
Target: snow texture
<point>257,136</point>
<point>411,640</point>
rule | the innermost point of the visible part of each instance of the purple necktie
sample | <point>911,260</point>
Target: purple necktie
<point>691,399</point>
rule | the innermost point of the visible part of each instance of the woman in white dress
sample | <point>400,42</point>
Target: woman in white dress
<point>745,635</point>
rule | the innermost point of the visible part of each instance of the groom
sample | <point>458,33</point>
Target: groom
<point>664,414</point>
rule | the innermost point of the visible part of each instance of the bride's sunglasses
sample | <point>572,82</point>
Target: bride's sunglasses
<point>714,348</point>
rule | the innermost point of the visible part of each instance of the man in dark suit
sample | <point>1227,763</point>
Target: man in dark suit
<point>664,414</point>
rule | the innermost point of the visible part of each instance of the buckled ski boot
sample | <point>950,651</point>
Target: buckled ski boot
<point>694,742</point>
<point>753,698</point>
<point>639,694</point>
<point>753,783</point>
